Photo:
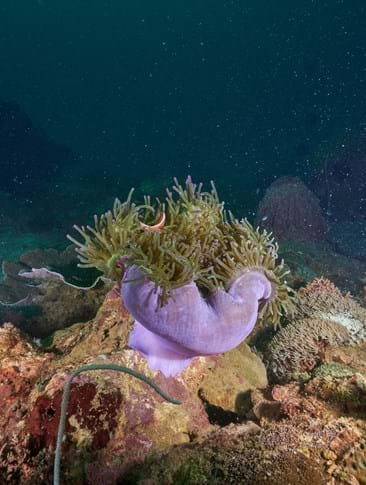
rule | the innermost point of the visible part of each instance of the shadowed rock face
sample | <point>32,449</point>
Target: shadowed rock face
<point>347,183</point>
<point>341,182</point>
<point>40,307</point>
<point>25,153</point>
<point>291,211</point>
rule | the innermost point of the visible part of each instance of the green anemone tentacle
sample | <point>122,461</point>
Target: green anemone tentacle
<point>200,242</point>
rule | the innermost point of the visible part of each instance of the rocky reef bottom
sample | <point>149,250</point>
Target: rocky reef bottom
<point>288,408</point>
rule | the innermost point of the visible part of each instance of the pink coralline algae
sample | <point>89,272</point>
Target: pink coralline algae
<point>291,211</point>
<point>96,412</point>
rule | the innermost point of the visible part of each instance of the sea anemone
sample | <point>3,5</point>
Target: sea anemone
<point>200,242</point>
<point>187,263</point>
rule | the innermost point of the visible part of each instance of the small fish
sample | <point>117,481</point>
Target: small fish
<point>157,227</point>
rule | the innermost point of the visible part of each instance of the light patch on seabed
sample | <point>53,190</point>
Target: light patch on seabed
<point>356,328</point>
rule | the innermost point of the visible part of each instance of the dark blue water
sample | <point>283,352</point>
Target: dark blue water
<point>100,96</point>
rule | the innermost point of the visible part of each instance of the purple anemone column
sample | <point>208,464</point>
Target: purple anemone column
<point>189,325</point>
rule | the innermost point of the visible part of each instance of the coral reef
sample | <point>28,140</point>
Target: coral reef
<point>114,421</point>
<point>232,426</point>
<point>352,356</point>
<point>120,431</point>
<point>324,317</point>
<point>297,452</point>
<point>339,385</point>
<point>298,348</point>
<point>291,211</point>
<point>323,300</point>
<point>41,307</point>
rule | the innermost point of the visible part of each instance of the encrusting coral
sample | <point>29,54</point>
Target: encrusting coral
<point>297,452</point>
<point>200,241</point>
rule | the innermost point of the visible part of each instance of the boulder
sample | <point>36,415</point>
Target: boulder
<point>114,420</point>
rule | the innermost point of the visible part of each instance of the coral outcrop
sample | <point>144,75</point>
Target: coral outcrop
<point>323,300</point>
<point>114,421</point>
<point>40,307</point>
<point>297,452</point>
<point>324,317</point>
<point>308,261</point>
<point>291,211</point>
<point>298,348</point>
<point>349,238</point>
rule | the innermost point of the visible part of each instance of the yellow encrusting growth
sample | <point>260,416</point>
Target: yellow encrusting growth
<point>199,242</point>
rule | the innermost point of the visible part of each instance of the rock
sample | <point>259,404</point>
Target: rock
<point>21,368</point>
<point>53,258</point>
<point>280,453</point>
<point>114,420</point>
<point>291,211</point>
<point>48,305</point>
<point>311,260</point>
<point>57,306</point>
<point>247,372</point>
